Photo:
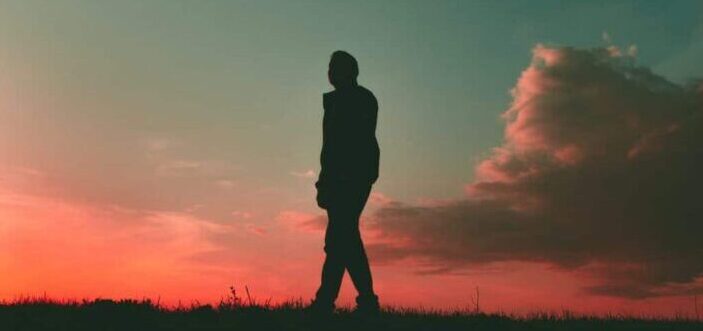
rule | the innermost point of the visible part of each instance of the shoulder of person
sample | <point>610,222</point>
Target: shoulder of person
<point>366,93</point>
<point>369,97</point>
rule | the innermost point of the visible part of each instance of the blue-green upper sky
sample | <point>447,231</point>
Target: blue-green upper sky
<point>234,87</point>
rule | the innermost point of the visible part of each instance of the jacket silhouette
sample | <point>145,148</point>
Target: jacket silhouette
<point>349,147</point>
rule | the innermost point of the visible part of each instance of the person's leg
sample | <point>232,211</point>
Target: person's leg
<point>358,264</point>
<point>345,249</point>
<point>334,265</point>
<point>356,261</point>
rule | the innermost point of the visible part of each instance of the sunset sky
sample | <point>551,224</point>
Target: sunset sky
<point>548,152</point>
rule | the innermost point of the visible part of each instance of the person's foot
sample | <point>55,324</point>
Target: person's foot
<point>367,306</point>
<point>317,308</point>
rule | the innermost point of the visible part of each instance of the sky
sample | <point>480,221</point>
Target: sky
<point>545,152</point>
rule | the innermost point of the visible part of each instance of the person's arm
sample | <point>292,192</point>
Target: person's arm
<point>371,117</point>
<point>320,184</point>
<point>370,127</point>
<point>324,153</point>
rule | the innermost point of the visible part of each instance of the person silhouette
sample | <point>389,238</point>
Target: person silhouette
<point>349,167</point>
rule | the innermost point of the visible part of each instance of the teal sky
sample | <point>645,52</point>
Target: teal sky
<point>239,84</point>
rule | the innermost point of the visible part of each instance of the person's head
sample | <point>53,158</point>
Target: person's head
<point>343,69</point>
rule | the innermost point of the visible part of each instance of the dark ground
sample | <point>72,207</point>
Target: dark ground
<point>41,314</point>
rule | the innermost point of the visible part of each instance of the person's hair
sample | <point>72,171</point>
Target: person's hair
<point>343,69</point>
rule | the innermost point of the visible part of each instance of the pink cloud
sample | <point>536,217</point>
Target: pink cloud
<point>302,221</point>
<point>241,214</point>
<point>600,166</point>
<point>380,199</point>
<point>304,174</point>
<point>98,250</point>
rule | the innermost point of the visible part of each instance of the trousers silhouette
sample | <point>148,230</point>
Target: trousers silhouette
<point>343,245</point>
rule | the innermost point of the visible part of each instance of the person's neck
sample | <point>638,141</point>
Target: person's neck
<point>345,86</point>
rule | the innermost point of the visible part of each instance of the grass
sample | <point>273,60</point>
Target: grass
<point>233,313</point>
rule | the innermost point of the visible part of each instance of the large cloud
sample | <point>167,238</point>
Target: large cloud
<point>600,172</point>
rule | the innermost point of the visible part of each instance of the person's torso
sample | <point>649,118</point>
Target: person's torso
<point>349,128</point>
